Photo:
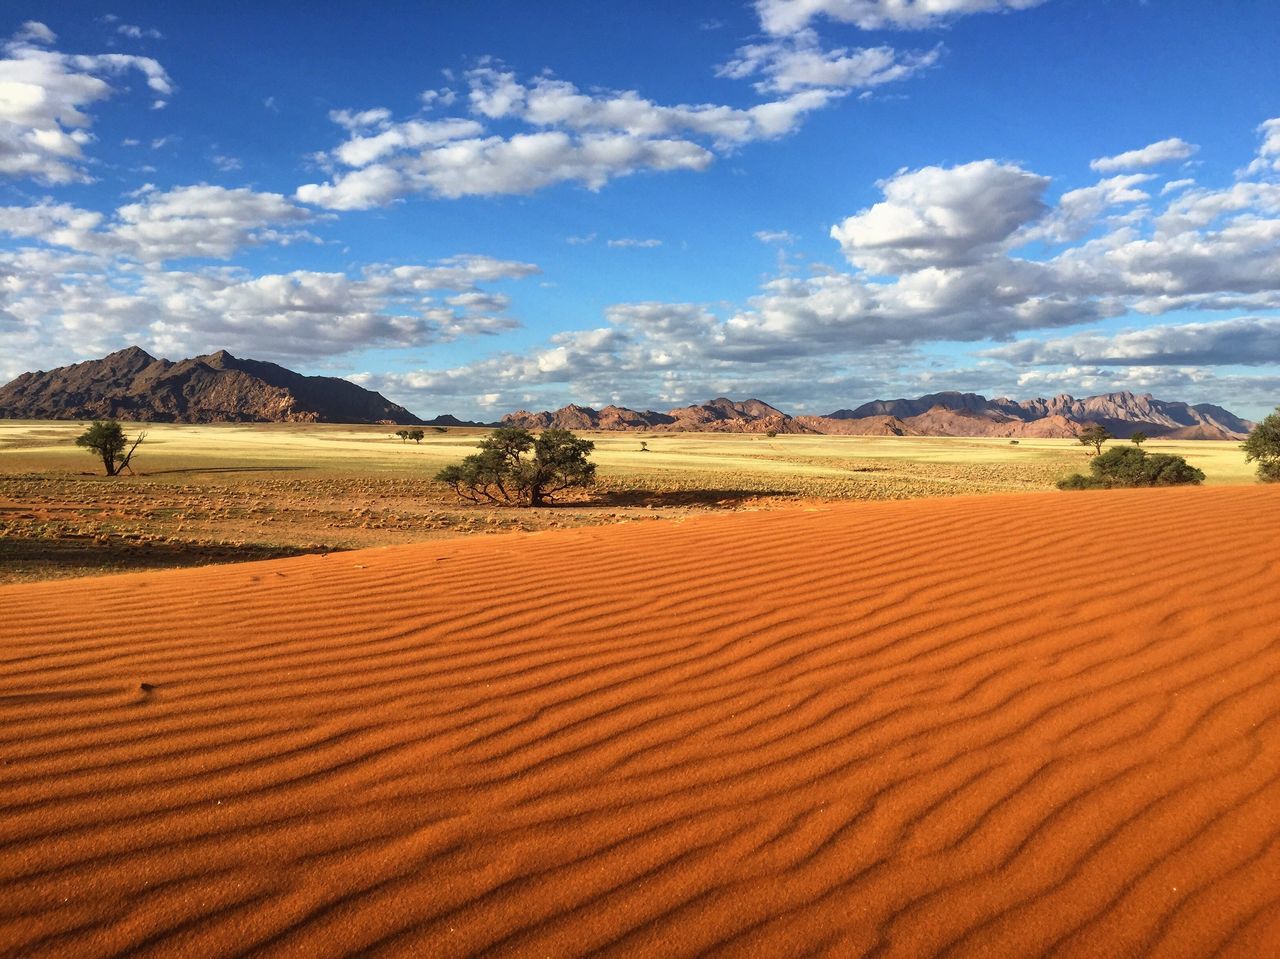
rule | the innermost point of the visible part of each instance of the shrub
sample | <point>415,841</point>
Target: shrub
<point>1263,446</point>
<point>515,469</point>
<point>1128,466</point>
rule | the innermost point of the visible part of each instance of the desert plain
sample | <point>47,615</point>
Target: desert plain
<point>846,696</point>
<point>218,493</point>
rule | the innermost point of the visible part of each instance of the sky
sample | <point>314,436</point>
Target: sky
<point>503,204</point>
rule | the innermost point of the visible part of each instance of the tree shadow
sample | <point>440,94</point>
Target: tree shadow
<point>675,498</point>
<point>27,559</point>
<point>228,469</point>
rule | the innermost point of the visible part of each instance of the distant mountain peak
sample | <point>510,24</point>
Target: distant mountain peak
<point>131,384</point>
<point>945,413</point>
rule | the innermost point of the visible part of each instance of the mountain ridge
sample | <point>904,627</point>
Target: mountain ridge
<point>935,414</point>
<point>132,384</point>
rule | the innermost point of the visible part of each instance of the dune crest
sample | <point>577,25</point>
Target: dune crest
<point>1013,725</point>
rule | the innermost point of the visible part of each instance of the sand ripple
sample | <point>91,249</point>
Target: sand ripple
<point>1006,726</point>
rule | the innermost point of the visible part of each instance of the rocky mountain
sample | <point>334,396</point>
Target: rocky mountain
<point>937,414</point>
<point>721,415</point>
<point>134,385</point>
<point>1122,413</point>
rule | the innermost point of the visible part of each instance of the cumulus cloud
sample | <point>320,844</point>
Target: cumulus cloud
<point>1242,341</point>
<point>570,136</point>
<point>1153,154</point>
<point>1268,158</point>
<point>790,16</point>
<point>52,297</point>
<point>799,62</point>
<point>43,96</point>
<point>1077,211</point>
<point>188,221</point>
<point>941,217</point>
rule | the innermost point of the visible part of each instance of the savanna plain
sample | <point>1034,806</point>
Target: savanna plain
<point>748,696</point>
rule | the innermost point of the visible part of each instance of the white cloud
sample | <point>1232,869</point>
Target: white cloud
<point>631,243</point>
<point>138,33</point>
<point>1268,158</point>
<point>1244,341</point>
<point>1153,154</point>
<point>52,299</point>
<point>1173,186</point>
<point>798,62</point>
<point>775,236</point>
<point>43,93</point>
<point>33,31</point>
<point>570,137</point>
<point>1077,211</point>
<point>790,16</point>
<point>942,217</point>
<point>189,221</point>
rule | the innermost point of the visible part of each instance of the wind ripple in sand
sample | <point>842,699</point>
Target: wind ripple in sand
<point>1004,726</point>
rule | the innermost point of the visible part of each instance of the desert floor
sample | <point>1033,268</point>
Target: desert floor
<point>211,494</point>
<point>1008,725</point>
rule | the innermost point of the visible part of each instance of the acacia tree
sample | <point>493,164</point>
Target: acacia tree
<point>1263,446</point>
<point>513,468</point>
<point>106,440</point>
<point>1138,438</point>
<point>1094,436</point>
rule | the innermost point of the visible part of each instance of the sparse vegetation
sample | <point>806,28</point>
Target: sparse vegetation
<point>106,439</point>
<point>1129,466</point>
<point>417,435</point>
<point>515,469</point>
<point>1263,447</point>
<point>771,434</point>
<point>1094,436</point>
<point>1138,438</point>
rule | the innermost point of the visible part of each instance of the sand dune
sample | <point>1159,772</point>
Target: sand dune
<point>1007,726</point>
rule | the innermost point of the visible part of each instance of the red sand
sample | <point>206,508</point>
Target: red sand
<point>1006,726</point>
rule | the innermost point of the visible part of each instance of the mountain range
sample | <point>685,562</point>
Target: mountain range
<point>937,414</point>
<point>218,388</point>
<point>134,385</point>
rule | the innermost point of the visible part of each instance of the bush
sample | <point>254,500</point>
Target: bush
<point>1130,466</point>
<point>1263,446</point>
<point>515,469</point>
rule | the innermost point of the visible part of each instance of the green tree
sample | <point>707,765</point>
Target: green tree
<point>513,468</point>
<point>106,439</point>
<point>1263,447</point>
<point>1094,436</point>
<point>1138,438</point>
<point>404,435</point>
<point>1128,466</point>
<point>417,435</point>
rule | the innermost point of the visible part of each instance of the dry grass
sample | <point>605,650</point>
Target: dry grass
<point>206,494</point>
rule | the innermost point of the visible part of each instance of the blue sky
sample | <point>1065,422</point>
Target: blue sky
<point>484,206</point>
